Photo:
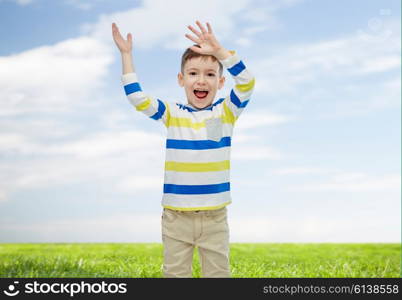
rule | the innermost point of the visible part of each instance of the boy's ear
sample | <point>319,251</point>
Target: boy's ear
<point>221,82</point>
<point>180,79</point>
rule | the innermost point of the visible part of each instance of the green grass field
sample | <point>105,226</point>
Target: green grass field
<point>247,260</point>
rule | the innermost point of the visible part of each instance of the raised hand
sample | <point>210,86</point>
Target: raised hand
<point>125,46</point>
<point>207,41</point>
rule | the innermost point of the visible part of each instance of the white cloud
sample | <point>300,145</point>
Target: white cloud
<point>244,42</point>
<point>132,184</point>
<point>105,144</point>
<point>108,157</point>
<point>53,78</point>
<point>345,57</point>
<point>169,32</point>
<point>381,64</point>
<point>254,29</point>
<point>353,182</point>
<point>300,171</point>
<point>254,152</point>
<point>245,137</point>
<point>252,119</point>
<point>19,2</point>
<point>117,119</point>
<point>247,145</point>
<point>333,77</point>
<point>33,128</point>
<point>313,179</point>
<point>24,2</point>
<point>82,4</point>
<point>166,31</point>
<point>3,196</point>
<point>95,145</point>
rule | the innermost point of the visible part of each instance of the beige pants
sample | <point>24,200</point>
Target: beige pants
<point>183,230</point>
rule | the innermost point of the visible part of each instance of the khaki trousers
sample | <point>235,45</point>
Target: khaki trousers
<point>183,230</point>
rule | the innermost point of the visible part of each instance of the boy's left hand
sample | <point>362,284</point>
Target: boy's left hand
<point>209,45</point>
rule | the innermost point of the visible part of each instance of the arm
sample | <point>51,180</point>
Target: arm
<point>240,94</point>
<point>127,63</point>
<point>244,80</point>
<point>125,47</point>
<point>154,108</point>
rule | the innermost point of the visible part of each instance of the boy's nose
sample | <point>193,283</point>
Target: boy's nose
<point>201,79</point>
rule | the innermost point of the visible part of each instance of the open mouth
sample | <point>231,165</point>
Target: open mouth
<point>200,94</point>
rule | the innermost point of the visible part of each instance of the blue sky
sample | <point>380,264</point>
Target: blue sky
<point>315,156</point>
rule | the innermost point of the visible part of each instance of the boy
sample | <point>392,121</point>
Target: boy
<point>196,185</point>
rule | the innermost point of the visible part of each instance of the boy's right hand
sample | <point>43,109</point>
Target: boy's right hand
<point>125,46</point>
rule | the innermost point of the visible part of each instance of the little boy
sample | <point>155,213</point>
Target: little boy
<point>196,185</point>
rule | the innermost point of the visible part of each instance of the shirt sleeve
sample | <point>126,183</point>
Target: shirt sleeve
<point>154,108</point>
<point>239,97</point>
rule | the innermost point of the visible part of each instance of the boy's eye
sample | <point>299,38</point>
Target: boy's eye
<point>192,73</point>
<point>211,74</point>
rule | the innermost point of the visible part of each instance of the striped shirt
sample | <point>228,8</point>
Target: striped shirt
<point>197,166</point>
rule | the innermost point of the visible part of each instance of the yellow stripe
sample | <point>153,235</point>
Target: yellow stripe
<point>246,87</point>
<point>144,105</point>
<point>197,167</point>
<point>185,122</point>
<point>197,208</point>
<point>228,116</point>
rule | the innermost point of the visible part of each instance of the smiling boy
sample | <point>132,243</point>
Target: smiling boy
<point>201,77</point>
<point>196,187</point>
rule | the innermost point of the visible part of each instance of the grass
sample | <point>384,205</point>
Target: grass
<point>144,260</point>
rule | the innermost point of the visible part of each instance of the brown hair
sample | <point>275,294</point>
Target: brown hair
<point>189,54</point>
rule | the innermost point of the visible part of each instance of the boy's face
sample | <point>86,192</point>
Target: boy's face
<point>201,81</point>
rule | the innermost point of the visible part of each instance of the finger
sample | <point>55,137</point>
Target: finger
<point>209,28</point>
<point>196,32</point>
<point>117,35</point>
<point>195,40</point>
<point>196,49</point>
<point>129,38</point>
<point>201,27</point>
<point>114,27</point>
